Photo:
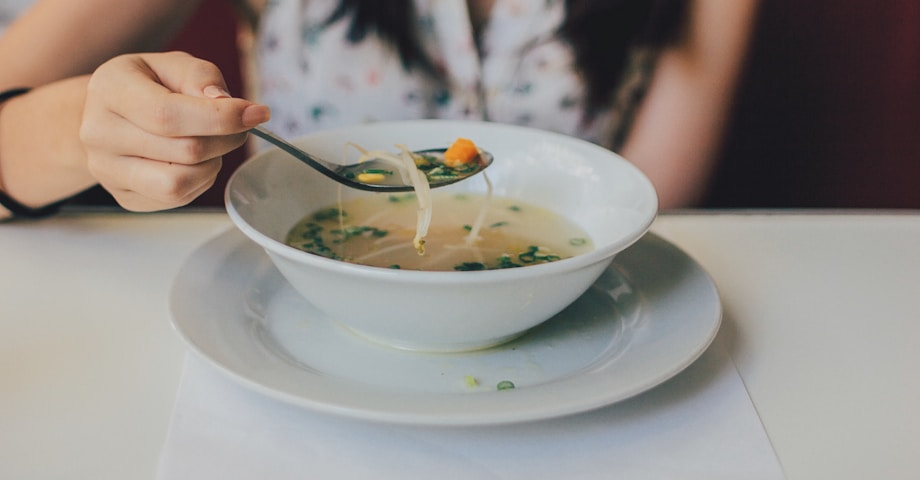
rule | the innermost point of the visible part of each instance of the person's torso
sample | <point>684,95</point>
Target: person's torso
<point>519,70</point>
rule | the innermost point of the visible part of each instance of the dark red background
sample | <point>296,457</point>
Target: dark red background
<point>828,114</point>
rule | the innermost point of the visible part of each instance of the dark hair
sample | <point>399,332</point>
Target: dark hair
<point>393,21</point>
<point>600,32</point>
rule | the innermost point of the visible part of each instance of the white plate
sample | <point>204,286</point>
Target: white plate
<point>651,314</point>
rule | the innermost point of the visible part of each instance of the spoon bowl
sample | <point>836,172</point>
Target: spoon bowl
<point>351,174</point>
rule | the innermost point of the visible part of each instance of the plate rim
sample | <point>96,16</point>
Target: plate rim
<point>514,406</point>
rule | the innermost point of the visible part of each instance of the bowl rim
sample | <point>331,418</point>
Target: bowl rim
<point>599,254</point>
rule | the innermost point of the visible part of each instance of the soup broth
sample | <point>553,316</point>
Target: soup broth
<point>378,231</point>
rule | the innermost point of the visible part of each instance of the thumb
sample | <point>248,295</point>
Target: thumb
<point>252,115</point>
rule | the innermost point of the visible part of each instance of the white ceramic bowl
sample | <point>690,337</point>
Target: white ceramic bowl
<point>448,311</point>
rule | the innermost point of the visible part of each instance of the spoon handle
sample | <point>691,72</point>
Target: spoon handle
<point>299,154</point>
<point>330,170</point>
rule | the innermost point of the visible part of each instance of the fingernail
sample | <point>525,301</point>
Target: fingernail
<point>213,91</point>
<point>256,114</point>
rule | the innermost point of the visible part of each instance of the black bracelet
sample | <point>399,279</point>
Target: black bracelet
<point>13,92</point>
<point>16,208</point>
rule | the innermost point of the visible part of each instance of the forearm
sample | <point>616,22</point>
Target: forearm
<point>57,39</point>
<point>679,129</point>
<point>676,135</point>
<point>41,156</point>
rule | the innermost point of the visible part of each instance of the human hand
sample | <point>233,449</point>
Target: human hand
<point>155,126</point>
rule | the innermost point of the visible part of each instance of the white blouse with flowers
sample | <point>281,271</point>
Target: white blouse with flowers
<point>521,73</point>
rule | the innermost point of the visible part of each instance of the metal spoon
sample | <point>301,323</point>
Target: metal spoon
<point>348,174</point>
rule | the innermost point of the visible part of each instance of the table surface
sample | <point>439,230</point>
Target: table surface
<point>821,315</point>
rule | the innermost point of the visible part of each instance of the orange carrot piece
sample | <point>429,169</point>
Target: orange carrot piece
<point>462,152</point>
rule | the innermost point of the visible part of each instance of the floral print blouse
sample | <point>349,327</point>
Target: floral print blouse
<point>520,72</point>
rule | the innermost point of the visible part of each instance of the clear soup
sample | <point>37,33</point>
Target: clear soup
<point>378,231</point>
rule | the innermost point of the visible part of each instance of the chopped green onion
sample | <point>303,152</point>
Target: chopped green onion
<point>505,385</point>
<point>313,230</point>
<point>533,255</point>
<point>469,267</point>
<point>354,231</point>
<point>328,214</point>
<point>401,198</point>
<point>530,255</point>
<point>504,261</point>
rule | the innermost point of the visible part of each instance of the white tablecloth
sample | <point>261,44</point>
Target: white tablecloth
<point>699,425</point>
<point>822,321</point>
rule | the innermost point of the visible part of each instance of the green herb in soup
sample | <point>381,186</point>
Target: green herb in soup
<point>378,230</point>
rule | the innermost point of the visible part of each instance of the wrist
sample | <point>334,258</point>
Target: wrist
<point>15,208</point>
<point>42,161</point>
